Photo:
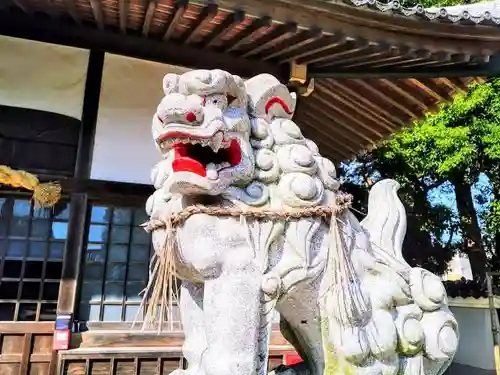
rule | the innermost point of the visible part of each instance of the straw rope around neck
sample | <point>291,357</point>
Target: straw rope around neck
<point>160,292</point>
<point>343,202</point>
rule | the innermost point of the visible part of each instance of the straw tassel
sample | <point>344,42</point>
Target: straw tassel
<point>44,195</point>
<point>349,305</point>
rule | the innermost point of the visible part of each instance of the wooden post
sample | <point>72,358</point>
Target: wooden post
<point>79,201</point>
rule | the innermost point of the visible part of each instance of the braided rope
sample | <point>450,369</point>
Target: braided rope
<point>44,195</point>
<point>343,202</point>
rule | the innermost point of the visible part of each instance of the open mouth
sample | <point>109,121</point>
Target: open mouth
<point>205,157</point>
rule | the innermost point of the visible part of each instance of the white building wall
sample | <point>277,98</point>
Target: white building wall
<point>42,76</point>
<point>131,90</point>
<point>475,347</point>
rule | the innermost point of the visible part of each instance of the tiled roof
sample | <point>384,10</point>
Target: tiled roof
<point>485,14</point>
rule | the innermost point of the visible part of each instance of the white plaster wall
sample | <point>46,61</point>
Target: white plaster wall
<point>131,90</point>
<point>42,76</point>
<point>475,347</point>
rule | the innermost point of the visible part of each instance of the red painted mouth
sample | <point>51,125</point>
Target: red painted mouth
<point>193,154</point>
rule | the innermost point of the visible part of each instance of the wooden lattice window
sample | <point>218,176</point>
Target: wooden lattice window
<point>116,264</point>
<point>32,245</point>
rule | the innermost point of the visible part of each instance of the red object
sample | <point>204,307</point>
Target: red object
<point>184,163</point>
<point>190,117</point>
<point>292,359</point>
<point>277,100</point>
<point>62,338</point>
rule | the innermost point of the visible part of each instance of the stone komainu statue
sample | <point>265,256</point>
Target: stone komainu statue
<point>248,214</point>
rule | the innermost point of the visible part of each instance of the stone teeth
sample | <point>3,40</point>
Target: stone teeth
<point>216,142</point>
<point>211,169</point>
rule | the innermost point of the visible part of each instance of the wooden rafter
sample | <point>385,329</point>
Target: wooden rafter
<point>73,11</point>
<point>96,6</point>
<point>394,86</point>
<point>339,109</point>
<point>329,57</point>
<point>202,20</point>
<point>385,118</point>
<point>22,5</point>
<point>396,53</point>
<point>123,11</point>
<point>385,98</point>
<point>246,35</point>
<point>335,135</point>
<point>220,31</point>
<point>427,88</point>
<point>150,12</point>
<point>179,9</point>
<point>373,50</point>
<point>324,44</point>
<point>362,64</point>
<point>279,34</point>
<point>300,41</point>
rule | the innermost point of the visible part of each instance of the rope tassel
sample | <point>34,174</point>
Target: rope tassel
<point>44,195</point>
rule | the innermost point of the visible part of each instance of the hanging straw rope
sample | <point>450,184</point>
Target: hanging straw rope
<point>160,290</point>
<point>44,195</point>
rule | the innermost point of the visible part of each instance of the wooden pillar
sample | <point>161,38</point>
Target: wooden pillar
<point>79,200</point>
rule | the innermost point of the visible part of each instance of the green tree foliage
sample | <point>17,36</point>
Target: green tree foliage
<point>446,150</point>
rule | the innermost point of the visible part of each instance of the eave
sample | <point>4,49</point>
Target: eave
<point>377,67</point>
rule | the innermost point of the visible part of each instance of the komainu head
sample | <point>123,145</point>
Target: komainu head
<point>222,136</point>
<point>202,129</point>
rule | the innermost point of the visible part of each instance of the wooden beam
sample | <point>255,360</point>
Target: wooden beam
<point>107,190</point>
<point>202,20</point>
<point>220,31</point>
<point>123,9</point>
<point>178,12</point>
<point>96,6</point>
<point>148,17</point>
<point>490,69</point>
<point>134,46</point>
